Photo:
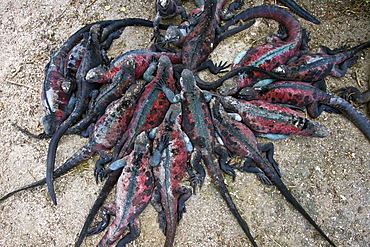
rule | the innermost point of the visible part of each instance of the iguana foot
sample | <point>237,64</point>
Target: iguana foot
<point>263,178</point>
<point>229,169</point>
<point>352,94</point>
<point>98,173</point>
<point>220,68</point>
<point>98,227</point>
<point>161,84</point>
<point>195,179</point>
<point>103,174</point>
<point>156,36</point>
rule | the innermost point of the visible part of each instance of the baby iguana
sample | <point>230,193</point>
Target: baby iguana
<point>197,36</point>
<point>166,9</point>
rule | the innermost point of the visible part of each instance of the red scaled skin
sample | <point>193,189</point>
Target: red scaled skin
<point>150,108</point>
<point>269,55</point>
<point>61,73</point>
<point>197,44</point>
<point>198,125</point>
<point>108,94</point>
<point>58,85</point>
<point>73,61</point>
<point>264,117</point>
<point>299,94</point>
<point>107,130</point>
<point>133,192</point>
<point>60,79</point>
<point>315,67</point>
<point>170,171</point>
<point>142,58</point>
<point>54,100</point>
<point>230,141</point>
<point>302,94</point>
<point>240,140</point>
<point>92,57</point>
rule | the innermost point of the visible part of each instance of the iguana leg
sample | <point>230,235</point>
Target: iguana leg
<point>352,94</point>
<point>99,165</point>
<point>156,203</point>
<point>247,167</point>
<point>105,213</point>
<point>341,70</point>
<point>194,164</point>
<point>185,193</point>
<point>268,148</point>
<point>222,152</point>
<point>214,68</point>
<point>132,235</point>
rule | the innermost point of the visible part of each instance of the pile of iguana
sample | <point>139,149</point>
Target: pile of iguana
<point>149,116</point>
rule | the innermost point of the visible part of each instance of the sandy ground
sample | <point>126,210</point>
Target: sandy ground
<point>330,176</point>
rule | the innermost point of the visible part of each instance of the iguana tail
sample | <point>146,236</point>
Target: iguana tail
<point>351,113</point>
<point>216,175</point>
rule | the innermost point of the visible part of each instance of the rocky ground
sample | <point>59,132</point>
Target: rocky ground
<point>329,176</point>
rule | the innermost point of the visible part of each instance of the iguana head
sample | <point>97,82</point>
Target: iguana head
<point>175,35</point>
<point>248,93</point>
<point>163,4</point>
<point>187,81</point>
<point>96,74</point>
